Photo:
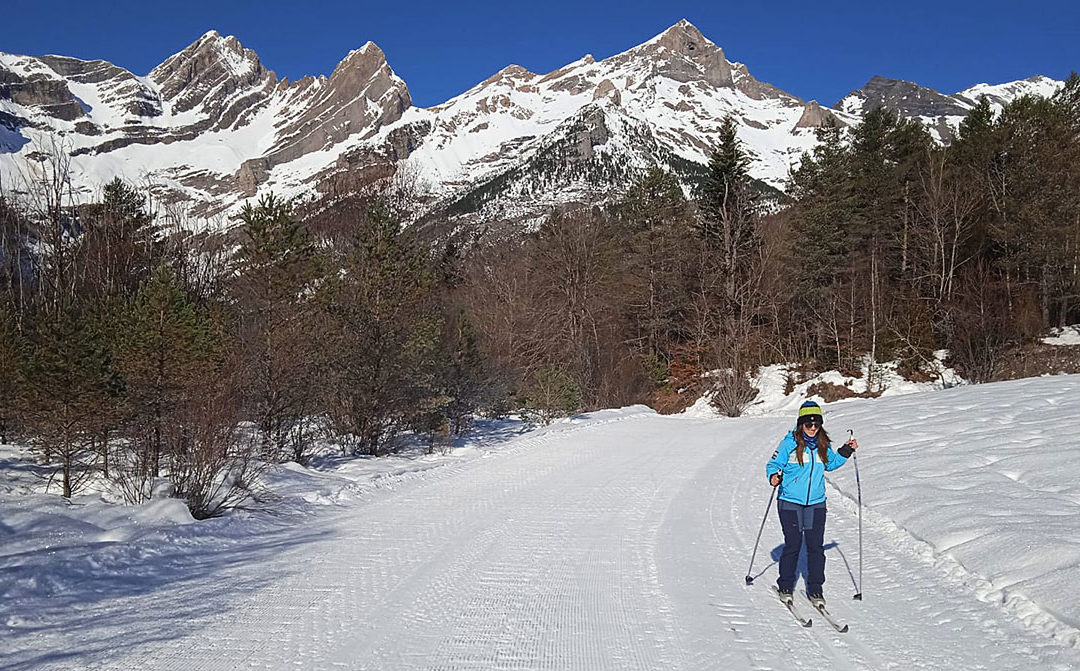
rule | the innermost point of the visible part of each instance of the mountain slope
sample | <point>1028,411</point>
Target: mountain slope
<point>206,125</point>
<point>212,126</point>
<point>939,112</point>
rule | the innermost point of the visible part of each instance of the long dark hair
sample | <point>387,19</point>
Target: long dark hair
<point>822,444</point>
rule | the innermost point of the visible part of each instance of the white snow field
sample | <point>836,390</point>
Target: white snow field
<point>618,540</point>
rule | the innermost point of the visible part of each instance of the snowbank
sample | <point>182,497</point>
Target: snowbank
<point>773,398</point>
<point>985,480</point>
<point>1069,335</point>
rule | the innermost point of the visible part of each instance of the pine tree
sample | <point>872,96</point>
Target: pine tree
<point>382,332</point>
<point>728,274</point>
<point>822,244</point>
<point>275,272</point>
<point>11,371</point>
<point>658,259</point>
<point>164,354</point>
<point>729,207</point>
<point>822,187</point>
<point>119,244</point>
<point>67,375</point>
<point>466,378</point>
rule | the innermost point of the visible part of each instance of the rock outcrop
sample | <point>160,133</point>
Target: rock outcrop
<point>814,116</point>
<point>906,98</point>
<point>216,77</point>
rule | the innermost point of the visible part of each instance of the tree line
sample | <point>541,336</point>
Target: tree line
<point>887,246</point>
<point>134,350</point>
<point>170,363</point>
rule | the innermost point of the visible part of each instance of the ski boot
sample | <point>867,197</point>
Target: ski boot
<point>817,600</point>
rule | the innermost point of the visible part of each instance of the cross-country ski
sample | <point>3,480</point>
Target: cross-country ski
<point>837,625</point>
<point>788,601</point>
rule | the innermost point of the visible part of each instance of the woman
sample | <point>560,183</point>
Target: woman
<point>798,467</point>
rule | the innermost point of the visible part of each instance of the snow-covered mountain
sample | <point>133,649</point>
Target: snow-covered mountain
<point>211,126</point>
<point>207,124</point>
<point>939,112</point>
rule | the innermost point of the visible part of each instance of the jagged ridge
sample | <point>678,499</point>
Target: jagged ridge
<point>212,126</point>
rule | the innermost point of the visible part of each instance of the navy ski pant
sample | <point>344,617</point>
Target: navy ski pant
<point>802,523</point>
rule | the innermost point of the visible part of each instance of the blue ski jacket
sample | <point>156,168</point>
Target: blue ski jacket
<point>803,484</point>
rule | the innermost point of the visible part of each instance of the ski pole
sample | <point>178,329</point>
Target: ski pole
<point>858,487</point>
<point>749,578</point>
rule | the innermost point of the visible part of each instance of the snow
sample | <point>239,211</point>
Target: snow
<point>1037,85</point>
<point>774,398</point>
<point>11,141</point>
<point>495,126</point>
<point>613,540</point>
<point>1069,335</point>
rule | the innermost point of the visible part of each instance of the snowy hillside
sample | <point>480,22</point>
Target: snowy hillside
<point>206,125</point>
<point>941,113</point>
<point>212,126</point>
<point>617,540</point>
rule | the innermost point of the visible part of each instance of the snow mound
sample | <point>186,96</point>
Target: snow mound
<point>982,480</point>
<point>1069,335</point>
<point>778,393</point>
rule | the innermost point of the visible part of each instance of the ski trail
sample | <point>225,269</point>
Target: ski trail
<point>912,615</point>
<point>737,626</point>
<point>611,544</point>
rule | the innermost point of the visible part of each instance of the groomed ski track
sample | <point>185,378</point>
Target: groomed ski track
<point>619,542</point>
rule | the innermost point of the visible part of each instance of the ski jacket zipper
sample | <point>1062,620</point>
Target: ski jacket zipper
<point>783,460</point>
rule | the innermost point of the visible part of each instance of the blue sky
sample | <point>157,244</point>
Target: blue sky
<point>811,49</point>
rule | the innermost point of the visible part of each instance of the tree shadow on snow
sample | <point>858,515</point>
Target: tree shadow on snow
<point>83,605</point>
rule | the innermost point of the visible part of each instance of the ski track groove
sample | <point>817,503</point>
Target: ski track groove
<point>618,543</point>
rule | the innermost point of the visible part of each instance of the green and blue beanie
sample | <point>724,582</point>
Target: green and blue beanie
<point>809,411</point>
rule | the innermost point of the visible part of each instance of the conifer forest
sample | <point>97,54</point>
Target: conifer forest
<point>135,349</point>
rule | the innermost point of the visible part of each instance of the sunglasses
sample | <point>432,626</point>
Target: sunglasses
<point>811,423</point>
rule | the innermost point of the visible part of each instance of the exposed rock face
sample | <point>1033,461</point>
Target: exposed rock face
<point>588,132</point>
<point>813,116</point>
<point>361,96</point>
<point>607,90</point>
<point>693,56</point>
<point>51,96</point>
<point>906,98</point>
<point>118,85</point>
<point>252,173</point>
<point>212,126</point>
<point>215,76</point>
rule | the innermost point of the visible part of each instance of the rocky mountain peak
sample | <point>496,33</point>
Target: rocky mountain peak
<point>368,59</point>
<point>364,73</point>
<point>683,38</point>
<point>512,76</point>
<point>682,53</point>
<point>361,96</point>
<point>208,71</point>
<point>904,97</point>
